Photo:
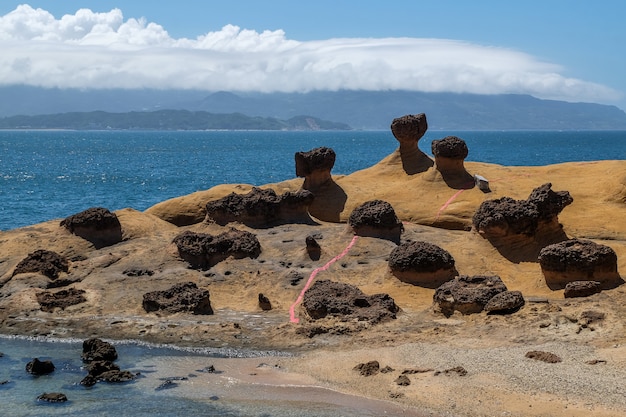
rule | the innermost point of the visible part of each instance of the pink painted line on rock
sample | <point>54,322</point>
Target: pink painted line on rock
<point>447,203</point>
<point>292,309</point>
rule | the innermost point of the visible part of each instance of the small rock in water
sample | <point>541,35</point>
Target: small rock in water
<point>52,397</point>
<point>167,384</point>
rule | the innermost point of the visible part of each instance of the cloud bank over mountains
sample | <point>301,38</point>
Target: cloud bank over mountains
<point>105,50</point>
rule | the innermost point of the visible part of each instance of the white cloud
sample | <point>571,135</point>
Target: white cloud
<point>102,50</point>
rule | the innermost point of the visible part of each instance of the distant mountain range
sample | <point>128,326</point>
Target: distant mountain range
<point>370,110</point>
<point>164,120</point>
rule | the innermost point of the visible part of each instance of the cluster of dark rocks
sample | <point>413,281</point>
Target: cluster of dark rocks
<point>98,356</point>
<point>183,297</point>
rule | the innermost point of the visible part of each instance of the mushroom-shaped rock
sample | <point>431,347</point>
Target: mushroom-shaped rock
<point>467,294</point>
<point>422,263</point>
<point>578,260</point>
<point>46,262</point>
<point>315,166</point>
<point>450,152</point>
<point>183,297</point>
<point>519,226</point>
<point>347,303</point>
<point>376,218</point>
<point>37,367</point>
<point>505,302</point>
<point>97,225</point>
<point>60,299</point>
<point>203,250</point>
<point>408,130</point>
<point>582,288</point>
<point>261,208</point>
<point>95,349</point>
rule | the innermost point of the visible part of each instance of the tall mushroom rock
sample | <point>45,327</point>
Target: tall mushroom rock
<point>408,130</point>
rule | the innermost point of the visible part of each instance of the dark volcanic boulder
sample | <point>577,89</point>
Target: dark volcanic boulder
<point>578,260</point>
<point>506,216</point>
<point>203,251</point>
<point>60,299</point>
<point>261,208</point>
<point>582,288</point>
<point>505,302</point>
<point>467,294</point>
<point>37,367</point>
<point>449,153</point>
<point>46,262</point>
<point>376,218</point>
<point>313,248</point>
<point>97,225</point>
<point>52,397</point>
<point>408,130</point>
<point>451,147</point>
<point>347,303</point>
<point>315,166</point>
<point>183,297</point>
<point>98,350</point>
<point>422,263</point>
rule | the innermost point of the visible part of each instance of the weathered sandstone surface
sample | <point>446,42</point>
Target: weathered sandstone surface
<point>96,285</point>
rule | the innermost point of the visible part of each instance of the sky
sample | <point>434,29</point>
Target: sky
<point>573,50</point>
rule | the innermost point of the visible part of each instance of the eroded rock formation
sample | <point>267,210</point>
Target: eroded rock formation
<point>346,302</point>
<point>578,260</point>
<point>182,297</point>
<point>315,166</point>
<point>422,263</point>
<point>582,288</point>
<point>37,367</point>
<point>467,294</point>
<point>95,349</point>
<point>520,228</point>
<point>450,153</point>
<point>203,250</point>
<point>376,218</point>
<point>505,302</point>
<point>60,299</point>
<point>408,130</point>
<point>46,262</point>
<point>261,208</point>
<point>97,225</point>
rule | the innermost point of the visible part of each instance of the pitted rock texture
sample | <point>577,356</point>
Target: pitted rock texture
<point>506,216</point>
<point>98,350</point>
<point>376,218</point>
<point>202,250</point>
<point>97,225</point>
<point>451,147</point>
<point>46,262</point>
<point>409,129</point>
<point>60,299</point>
<point>346,302</point>
<point>582,288</point>
<point>467,294</point>
<point>316,160</point>
<point>505,302</point>
<point>183,297</point>
<point>422,263</point>
<point>313,248</point>
<point>578,260</point>
<point>261,208</point>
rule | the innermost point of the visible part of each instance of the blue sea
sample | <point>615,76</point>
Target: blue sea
<point>48,175</point>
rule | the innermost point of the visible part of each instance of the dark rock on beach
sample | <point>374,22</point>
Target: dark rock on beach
<point>313,248</point>
<point>97,225</point>
<point>505,302</point>
<point>60,299</point>
<point>578,260</point>
<point>547,357</point>
<point>368,368</point>
<point>261,208</point>
<point>264,303</point>
<point>203,251</point>
<point>37,367</point>
<point>467,294</point>
<point>376,218</point>
<point>183,297</point>
<point>98,350</point>
<point>582,288</point>
<point>346,302</point>
<point>46,262</point>
<point>422,263</point>
<point>52,397</point>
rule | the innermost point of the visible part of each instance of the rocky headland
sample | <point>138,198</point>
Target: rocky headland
<point>449,274</point>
